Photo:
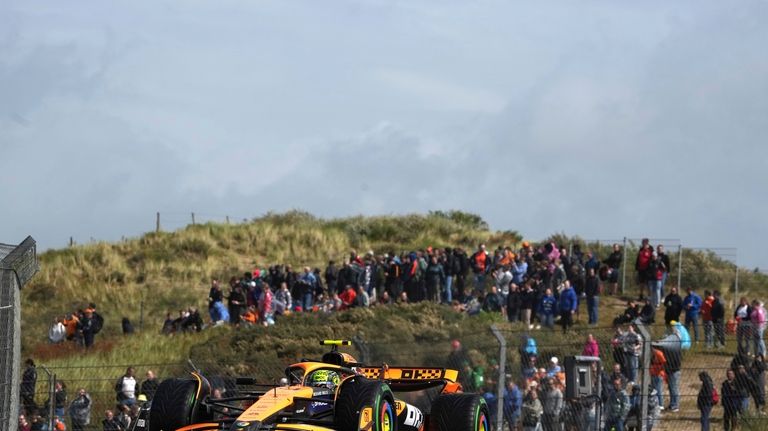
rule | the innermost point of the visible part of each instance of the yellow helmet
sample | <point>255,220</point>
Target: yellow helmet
<point>325,378</point>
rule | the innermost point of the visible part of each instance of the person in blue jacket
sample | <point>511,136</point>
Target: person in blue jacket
<point>692,307</point>
<point>567,306</point>
<point>547,308</point>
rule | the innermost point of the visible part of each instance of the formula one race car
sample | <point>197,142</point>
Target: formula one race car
<point>334,394</point>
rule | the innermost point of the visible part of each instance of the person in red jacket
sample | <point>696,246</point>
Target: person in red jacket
<point>347,297</point>
<point>706,317</point>
<point>642,262</point>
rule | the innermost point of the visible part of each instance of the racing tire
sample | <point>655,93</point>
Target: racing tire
<point>359,393</point>
<point>174,405</point>
<point>459,412</point>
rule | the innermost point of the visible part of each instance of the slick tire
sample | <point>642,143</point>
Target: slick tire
<point>459,412</point>
<point>172,405</point>
<point>358,394</point>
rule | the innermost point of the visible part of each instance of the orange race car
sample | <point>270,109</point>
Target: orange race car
<point>334,394</point>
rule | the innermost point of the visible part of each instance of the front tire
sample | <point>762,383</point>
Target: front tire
<point>361,401</point>
<point>459,412</point>
<point>176,404</point>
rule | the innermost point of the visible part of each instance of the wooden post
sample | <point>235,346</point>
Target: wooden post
<point>71,241</point>
<point>227,217</point>
<point>157,225</point>
<point>193,219</point>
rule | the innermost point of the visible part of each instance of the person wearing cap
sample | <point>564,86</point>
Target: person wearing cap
<point>554,367</point>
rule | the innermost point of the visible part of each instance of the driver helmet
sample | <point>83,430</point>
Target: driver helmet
<point>325,378</point>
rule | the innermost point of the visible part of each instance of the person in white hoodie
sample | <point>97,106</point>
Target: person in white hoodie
<point>58,332</point>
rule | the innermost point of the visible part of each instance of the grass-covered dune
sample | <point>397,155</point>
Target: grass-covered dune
<point>165,271</point>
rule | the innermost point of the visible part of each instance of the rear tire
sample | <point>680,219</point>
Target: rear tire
<point>173,405</point>
<point>359,393</point>
<point>459,412</point>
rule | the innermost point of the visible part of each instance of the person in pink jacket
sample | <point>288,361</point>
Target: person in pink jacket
<point>757,317</point>
<point>591,348</point>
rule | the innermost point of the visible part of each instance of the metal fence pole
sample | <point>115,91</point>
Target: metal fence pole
<point>502,375</point>
<point>645,377</point>
<point>679,266</point>
<point>736,282</point>
<point>624,266</point>
<point>52,404</point>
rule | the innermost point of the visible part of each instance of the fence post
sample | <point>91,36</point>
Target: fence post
<point>645,377</point>
<point>193,219</point>
<point>679,266</point>
<point>502,375</point>
<point>227,218</point>
<point>362,347</point>
<point>624,266</point>
<point>157,223</point>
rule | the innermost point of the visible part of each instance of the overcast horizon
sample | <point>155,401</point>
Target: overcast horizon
<point>597,119</point>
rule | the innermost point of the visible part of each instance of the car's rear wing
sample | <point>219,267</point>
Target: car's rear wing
<point>409,374</point>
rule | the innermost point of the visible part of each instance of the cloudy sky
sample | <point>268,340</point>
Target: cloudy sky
<point>602,119</point>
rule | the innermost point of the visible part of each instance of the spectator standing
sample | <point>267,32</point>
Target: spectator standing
<point>673,305</point>
<point>57,332</point>
<point>692,306</point>
<point>532,411</point>
<point>86,328</point>
<point>742,315</point>
<point>672,370</point>
<point>80,410</point>
<point>591,347</point>
<point>110,423</point>
<point>718,320</point>
<point>655,279</point>
<point>732,407</point>
<point>757,373</point>
<point>435,275</point>
<point>215,295</point>
<point>282,300</point>
<point>665,266</point>
<point>28,384</point>
<point>632,345</point>
<point>513,403</point>
<point>125,388</point>
<point>331,277</point>
<point>706,318</point>
<point>481,264</point>
<point>757,317</point>
<point>613,262</point>
<point>149,385</point>
<point>642,262</point>
<point>24,424</point>
<point>59,399</point>
<point>616,407</point>
<point>514,302</point>
<point>567,306</point>
<point>237,303</point>
<point>658,375</point>
<point>592,291</point>
<point>547,309</point>
<point>265,306</point>
<point>527,304</point>
<point>451,266</point>
<point>306,288</point>
<point>552,405</point>
<point>705,399</point>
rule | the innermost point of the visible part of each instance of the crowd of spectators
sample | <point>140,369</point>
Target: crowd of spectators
<point>129,394</point>
<point>79,327</point>
<point>531,284</point>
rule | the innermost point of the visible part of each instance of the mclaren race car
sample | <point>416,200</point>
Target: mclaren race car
<point>334,394</point>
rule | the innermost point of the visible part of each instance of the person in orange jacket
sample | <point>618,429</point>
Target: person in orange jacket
<point>70,322</point>
<point>658,375</point>
<point>706,317</point>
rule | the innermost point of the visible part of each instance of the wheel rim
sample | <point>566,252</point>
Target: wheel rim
<point>386,416</point>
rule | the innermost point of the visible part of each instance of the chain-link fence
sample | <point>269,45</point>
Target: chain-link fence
<point>17,265</point>
<point>532,361</point>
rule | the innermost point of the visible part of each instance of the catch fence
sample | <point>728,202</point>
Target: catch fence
<point>482,365</point>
